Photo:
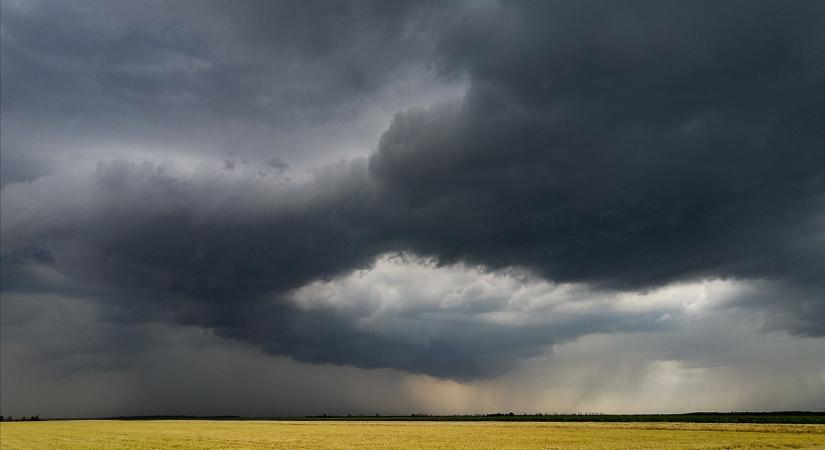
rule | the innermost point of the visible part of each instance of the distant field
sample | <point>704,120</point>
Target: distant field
<point>183,434</point>
<point>790,417</point>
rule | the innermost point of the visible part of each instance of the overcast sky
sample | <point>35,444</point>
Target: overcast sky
<point>309,207</point>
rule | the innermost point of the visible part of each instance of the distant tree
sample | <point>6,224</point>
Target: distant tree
<point>1,418</point>
<point>37,417</point>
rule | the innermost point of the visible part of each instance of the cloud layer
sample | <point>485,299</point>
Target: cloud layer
<point>546,171</point>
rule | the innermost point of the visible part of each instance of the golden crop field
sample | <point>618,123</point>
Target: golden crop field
<point>185,434</point>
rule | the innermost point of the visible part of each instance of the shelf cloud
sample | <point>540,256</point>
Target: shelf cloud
<point>444,191</point>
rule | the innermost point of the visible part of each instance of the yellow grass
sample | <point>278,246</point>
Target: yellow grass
<point>185,434</point>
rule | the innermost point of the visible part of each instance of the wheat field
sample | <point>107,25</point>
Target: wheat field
<point>188,434</point>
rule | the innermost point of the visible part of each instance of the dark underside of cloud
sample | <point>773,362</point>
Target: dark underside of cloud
<point>620,148</point>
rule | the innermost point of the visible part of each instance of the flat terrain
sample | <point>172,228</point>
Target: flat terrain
<point>183,434</point>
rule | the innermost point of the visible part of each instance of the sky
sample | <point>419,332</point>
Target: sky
<point>269,208</point>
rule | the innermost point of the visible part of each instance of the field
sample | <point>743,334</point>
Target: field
<point>183,434</point>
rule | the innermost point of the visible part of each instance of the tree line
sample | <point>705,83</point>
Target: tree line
<point>22,418</point>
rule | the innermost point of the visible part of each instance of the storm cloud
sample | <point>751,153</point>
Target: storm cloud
<point>605,158</point>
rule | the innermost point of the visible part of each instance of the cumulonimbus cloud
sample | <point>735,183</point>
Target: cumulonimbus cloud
<point>619,150</point>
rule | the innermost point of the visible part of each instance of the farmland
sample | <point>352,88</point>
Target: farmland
<point>183,434</point>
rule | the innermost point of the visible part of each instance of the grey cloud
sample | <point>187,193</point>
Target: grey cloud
<point>682,369</point>
<point>629,167</point>
<point>621,149</point>
<point>66,360</point>
<point>781,306</point>
<point>201,77</point>
<point>100,60</point>
<point>266,63</point>
<point>229,262</point>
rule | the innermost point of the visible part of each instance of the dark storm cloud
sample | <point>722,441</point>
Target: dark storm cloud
<point>624,149</point>
<point>254,61</point>
<point>226,254</point>
<point>200,76</point>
